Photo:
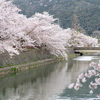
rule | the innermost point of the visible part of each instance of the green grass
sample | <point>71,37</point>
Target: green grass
<point>72,55</point>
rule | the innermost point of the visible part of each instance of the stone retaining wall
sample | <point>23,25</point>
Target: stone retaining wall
<point>18,68</point>
<point>24,57</point>
<point>26,60</point>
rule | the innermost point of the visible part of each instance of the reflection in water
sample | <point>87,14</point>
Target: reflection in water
<point>80,66</point>
<point>85,58</point>
<point>44,83</point>
<point>40,84</point>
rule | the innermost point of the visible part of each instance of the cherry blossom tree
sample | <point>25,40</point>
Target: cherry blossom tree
<point>79,39</point>
<point>18,32</point>
<point>48,34</point>
<point>12,25</point>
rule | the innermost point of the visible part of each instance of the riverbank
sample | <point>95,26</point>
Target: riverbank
<point>26,66</point>
<point>27,60</point>
<point>18,68</point>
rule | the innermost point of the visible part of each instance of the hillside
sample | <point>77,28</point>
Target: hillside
<point>86,12</point>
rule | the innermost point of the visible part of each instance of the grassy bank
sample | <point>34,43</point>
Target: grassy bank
<point>72,55</point>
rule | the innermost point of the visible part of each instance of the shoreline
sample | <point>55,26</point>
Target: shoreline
<point>22,67</point>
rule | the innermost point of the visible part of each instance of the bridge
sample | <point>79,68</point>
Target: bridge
<point>81,50</point>
<point>87,49</point>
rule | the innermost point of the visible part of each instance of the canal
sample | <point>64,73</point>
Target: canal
<point>49,82</point>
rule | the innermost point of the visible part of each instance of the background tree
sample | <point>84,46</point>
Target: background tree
<point>88,11</point>
<point>96,34</point>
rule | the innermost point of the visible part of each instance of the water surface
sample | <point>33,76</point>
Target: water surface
<point>49,82</point>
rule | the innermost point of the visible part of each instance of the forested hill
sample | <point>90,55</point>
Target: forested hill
<point>84,13</point>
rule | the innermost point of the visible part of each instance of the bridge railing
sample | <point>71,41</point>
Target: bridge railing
<point>86,48</point>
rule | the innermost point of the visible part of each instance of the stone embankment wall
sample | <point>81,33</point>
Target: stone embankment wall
<point>24,57</point>
<point>18,68</point>
<point>29,56</point>
<point>26,60</point>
